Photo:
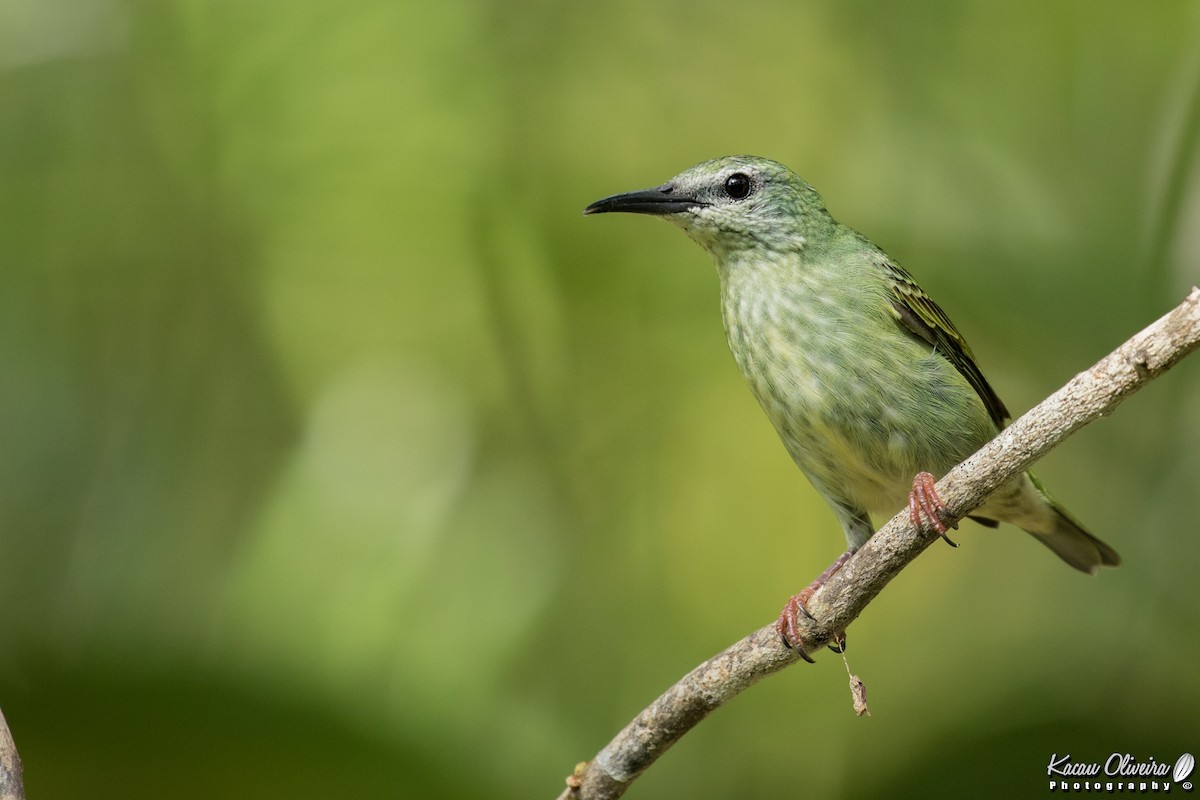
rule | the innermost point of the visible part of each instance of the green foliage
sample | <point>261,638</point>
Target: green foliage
<point>342,455</point>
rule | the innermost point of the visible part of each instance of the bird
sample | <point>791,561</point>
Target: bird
<point>871,388</point>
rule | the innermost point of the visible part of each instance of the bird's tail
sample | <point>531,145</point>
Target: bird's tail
<point>1063,534</point>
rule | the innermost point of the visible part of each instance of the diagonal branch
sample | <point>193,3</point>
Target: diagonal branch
<point>12,785</point>
<point>1086,397</point>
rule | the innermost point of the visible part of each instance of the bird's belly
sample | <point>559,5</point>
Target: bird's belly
<point>849,449</point>
<point>860,419</point>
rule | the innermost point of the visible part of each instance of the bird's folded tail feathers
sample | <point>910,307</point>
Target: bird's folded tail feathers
<point>1070,542</point>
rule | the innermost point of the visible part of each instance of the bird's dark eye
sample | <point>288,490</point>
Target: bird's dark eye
<point>737,186</point>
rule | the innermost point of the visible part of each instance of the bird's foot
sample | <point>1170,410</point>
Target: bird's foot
<point>924,499</point>
<point>788,625</point>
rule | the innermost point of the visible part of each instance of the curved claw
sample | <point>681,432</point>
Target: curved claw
<point>838,645</point>
<point>797,648</point>
<point>800,652</point>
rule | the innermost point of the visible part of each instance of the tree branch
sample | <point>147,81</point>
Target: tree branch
<point>12,786</point>
<point>1086,397</point>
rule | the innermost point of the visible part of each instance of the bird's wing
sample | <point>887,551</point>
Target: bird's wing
<point>917,312</point>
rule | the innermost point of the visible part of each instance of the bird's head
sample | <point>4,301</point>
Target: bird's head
<point>731,204</point>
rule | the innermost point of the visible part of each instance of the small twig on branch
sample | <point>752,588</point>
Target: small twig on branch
<point>12,785</point>
<point>1086,397</point>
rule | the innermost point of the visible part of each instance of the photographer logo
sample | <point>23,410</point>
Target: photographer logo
<point>1120,772</point>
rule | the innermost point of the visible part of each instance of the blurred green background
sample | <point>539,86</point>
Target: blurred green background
<point>341,456</point>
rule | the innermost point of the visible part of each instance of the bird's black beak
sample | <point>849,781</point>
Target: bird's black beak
<point>660,201</point>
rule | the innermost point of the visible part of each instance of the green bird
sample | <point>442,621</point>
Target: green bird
<point>867,381</point>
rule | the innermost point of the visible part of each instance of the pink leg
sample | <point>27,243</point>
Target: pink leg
<point>788,627</point>
<point>924,499</point>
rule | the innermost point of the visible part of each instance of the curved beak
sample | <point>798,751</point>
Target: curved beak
<point>660,201</point>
